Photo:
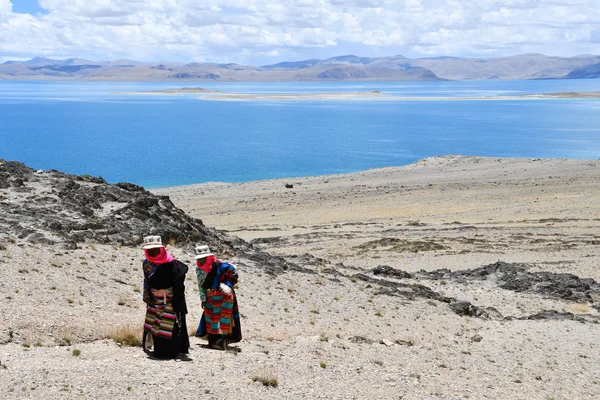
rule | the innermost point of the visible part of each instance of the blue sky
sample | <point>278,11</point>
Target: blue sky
<point>27,7</point>
<point>260,32</point>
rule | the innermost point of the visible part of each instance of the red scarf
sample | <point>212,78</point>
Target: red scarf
<point>162,258</point>
<point>207,264</point>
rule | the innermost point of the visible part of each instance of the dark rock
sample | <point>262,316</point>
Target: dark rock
<point>476,338</point>
<point>130,187</point>
<point>385,270</point>
<point>92,179</point>
<point>515,277</point>
<point>69,245</point>
<point>551,314</point>
<point>265,240</point>
<point>359,339</point>
<point>465,308</point>
<point>71,209</point>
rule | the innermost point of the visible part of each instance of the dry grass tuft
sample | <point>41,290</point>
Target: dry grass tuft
<point>67,336</point>
<point>580,308</point>
<point>127,335</point>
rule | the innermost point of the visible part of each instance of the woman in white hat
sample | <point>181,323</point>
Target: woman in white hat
<point>164,294</point>
<point>220,321</point>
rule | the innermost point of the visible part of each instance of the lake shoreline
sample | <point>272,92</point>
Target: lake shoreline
<point>374,95</point>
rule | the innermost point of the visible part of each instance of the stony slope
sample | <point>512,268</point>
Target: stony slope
<point>61,210</point>
<point>347,329</point>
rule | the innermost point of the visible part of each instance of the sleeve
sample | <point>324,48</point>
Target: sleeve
<point>201,275</point>
<point>179,271</point>
<point>146,292</point>
<point>229,275</point>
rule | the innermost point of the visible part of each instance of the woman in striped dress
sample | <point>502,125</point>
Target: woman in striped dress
<point>220,321</point>
<point>164,295</point>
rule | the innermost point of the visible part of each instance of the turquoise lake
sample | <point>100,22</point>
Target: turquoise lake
<point>158,141</point>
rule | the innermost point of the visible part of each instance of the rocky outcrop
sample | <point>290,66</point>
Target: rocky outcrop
<point>514,277</point>
<point>54,208</point>
<point>412,291</point>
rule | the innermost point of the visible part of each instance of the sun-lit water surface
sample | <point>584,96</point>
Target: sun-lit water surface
<point>155,141</point>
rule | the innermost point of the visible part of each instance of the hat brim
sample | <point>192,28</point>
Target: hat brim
<point>199,256</point>
<point>152,246</point>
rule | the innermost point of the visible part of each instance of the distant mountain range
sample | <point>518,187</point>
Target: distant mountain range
<point>342,68</point>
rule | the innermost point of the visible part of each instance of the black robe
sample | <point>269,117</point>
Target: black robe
<point>168,275</point>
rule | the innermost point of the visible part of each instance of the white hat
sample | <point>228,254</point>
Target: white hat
<point>202,251</point>
<point>152,242</point>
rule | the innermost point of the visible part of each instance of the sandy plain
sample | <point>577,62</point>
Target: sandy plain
<point>320,332</point>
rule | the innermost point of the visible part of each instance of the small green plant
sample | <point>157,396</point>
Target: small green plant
<point>323,365</point>
<point>70,301</point>
<point>267,378</point>
<point>265,381</point>
<point>76,352</point>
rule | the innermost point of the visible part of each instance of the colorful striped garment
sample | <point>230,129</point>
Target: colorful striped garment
<point>218,313</point>
<point>161,318</point>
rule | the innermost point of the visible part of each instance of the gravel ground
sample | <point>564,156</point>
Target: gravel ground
<point>323,333</point>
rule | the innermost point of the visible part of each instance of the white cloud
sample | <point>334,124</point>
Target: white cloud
<point>5,8</point>
<point>255,31</point>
